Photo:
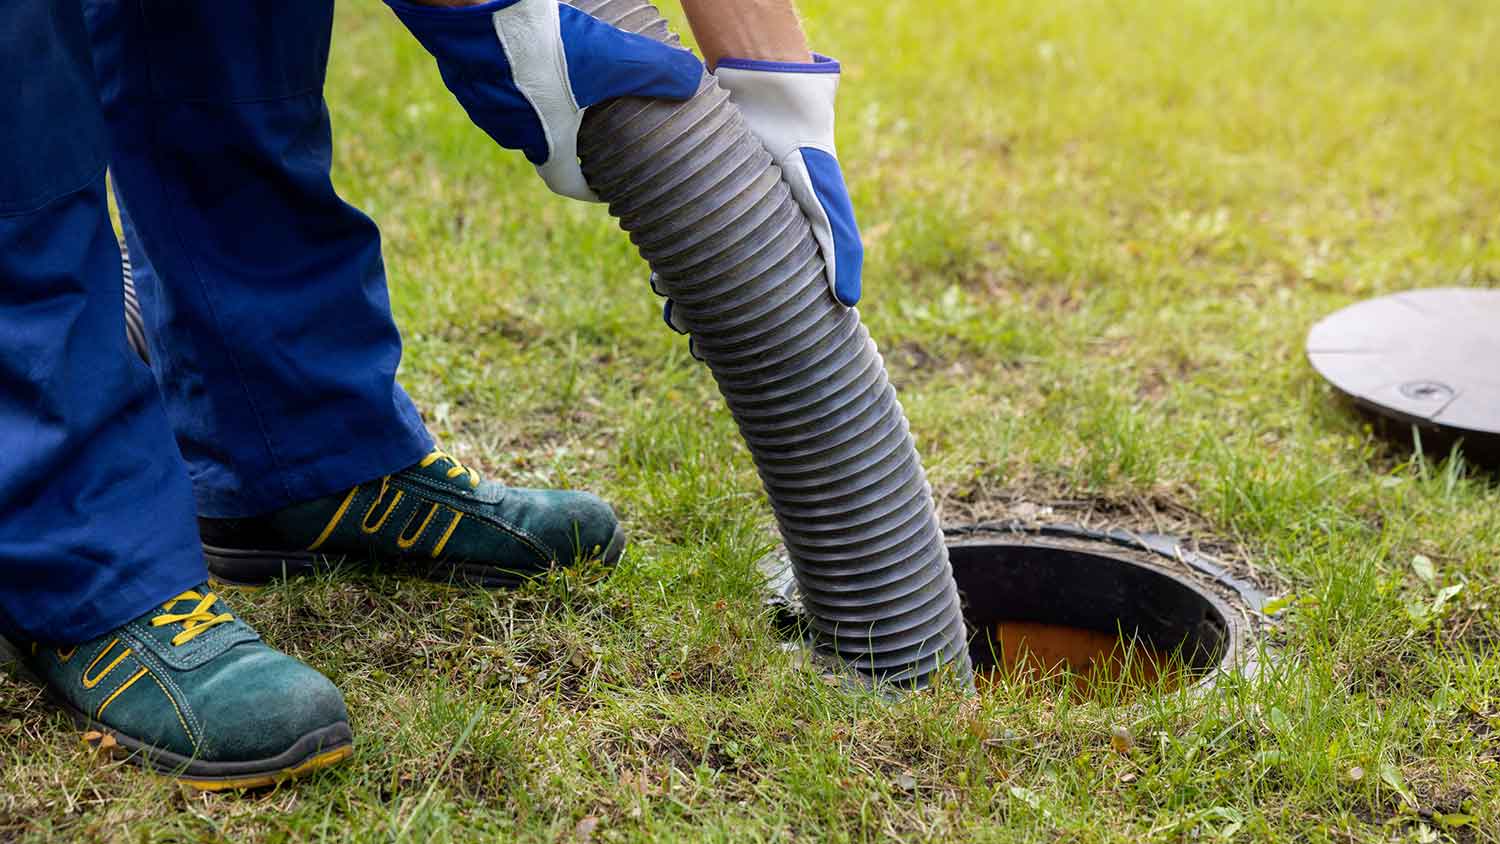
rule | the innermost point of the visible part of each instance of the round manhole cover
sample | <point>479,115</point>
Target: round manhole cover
<point>1429,358</point>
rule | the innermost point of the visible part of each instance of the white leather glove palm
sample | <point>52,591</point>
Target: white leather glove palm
<point>789,106</point>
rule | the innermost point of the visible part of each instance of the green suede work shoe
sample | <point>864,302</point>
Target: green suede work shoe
<point>192,692</point>
<point>438,517</point>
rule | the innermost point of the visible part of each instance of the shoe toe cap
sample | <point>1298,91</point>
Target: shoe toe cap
<point>270,703</point>
<point>575,525</point>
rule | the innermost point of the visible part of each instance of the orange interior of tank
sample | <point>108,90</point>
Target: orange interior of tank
<point>1036,652</point>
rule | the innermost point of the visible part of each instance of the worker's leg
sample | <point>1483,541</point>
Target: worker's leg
<point>266,307</point>
<point>264,293</point>
<point>96,513</point>
<point>100,564</point>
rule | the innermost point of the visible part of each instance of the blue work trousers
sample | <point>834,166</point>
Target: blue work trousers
<point>273,349</point>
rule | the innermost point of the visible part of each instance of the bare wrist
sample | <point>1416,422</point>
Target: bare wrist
<point>765,30</point>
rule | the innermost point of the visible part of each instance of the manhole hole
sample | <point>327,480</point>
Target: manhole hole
<point>1045,614</point>
<point>1109,612</point>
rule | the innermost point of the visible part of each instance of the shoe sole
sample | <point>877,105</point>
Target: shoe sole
<point>249,567</point>
<point>321,748</point>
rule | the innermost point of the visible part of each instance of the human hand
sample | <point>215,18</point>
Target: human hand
<point>525,71</point>
<point>789,106</point>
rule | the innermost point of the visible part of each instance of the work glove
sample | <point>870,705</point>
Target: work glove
<point>525,71</point>
<point>789,106</point>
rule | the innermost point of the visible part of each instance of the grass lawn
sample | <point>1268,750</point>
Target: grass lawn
<point>1097,233</point>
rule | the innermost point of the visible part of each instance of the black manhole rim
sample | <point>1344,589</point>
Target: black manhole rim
<point>1235,601</point>
<point>1094,587</point>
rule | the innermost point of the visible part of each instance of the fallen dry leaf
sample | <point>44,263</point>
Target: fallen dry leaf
<point>104,743</point>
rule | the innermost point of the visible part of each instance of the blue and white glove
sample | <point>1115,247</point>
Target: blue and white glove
<point>789,106</point>
<point>525,70</point>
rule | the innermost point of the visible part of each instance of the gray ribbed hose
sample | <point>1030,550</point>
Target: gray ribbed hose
<point>707,209</point>
<point>135,326</point>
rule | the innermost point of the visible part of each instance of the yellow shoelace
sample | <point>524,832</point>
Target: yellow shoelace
<point>456,470</point>
<point>198,620</point>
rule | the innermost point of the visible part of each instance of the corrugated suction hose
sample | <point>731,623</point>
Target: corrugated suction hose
<point>135,326</point>
<point>707,208</point>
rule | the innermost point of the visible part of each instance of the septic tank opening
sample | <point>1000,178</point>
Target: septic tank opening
<point>1108,608</point>
<point>1043,614</point>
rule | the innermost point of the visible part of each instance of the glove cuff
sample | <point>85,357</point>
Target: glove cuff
<point>819,64</point>
<point>787,105</point>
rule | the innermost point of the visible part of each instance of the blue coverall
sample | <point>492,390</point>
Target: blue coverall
<point>274,353</point>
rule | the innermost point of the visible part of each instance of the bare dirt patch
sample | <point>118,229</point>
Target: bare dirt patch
<point>1157,511</point>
